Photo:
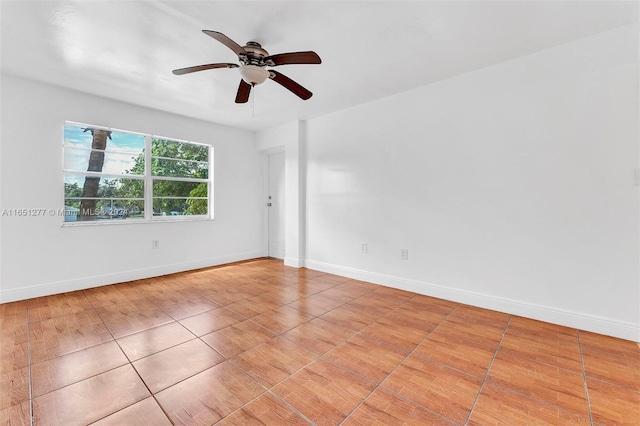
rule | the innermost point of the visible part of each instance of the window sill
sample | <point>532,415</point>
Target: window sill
<point>116,222</point>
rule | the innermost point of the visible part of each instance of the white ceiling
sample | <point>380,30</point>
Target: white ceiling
<point>126,50</point>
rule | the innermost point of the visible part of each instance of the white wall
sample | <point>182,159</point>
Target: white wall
<point>41,257</point>
<point>512,187</point>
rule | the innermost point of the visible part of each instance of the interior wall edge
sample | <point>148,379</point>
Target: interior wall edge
<point>46,289</point>
<point>582,321</point>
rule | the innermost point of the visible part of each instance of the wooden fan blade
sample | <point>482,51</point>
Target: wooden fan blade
<point>243,92</point>
<point>239,50</point>
<point>308,57</point>
<point>188,70</point>
<point>287,83</point>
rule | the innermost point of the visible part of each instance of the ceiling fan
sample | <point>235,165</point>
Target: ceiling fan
<point>254,60</point>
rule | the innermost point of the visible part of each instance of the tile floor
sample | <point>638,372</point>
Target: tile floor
<point>259,343</point>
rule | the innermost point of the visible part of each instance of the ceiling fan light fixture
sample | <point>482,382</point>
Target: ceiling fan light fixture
<point>254,60</point>
<point>253,74</point>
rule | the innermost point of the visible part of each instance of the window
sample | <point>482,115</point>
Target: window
<point>113,175</point>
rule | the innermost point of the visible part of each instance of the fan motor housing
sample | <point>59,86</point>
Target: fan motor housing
<point>255,53</point>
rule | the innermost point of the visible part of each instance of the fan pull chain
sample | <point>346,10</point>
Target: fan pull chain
<point>253,100</point>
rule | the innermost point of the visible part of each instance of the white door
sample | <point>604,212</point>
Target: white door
<point>275,202</point>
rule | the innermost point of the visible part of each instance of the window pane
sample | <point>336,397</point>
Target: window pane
<point>114,163</point>
<point>76,137</point>
<point>170,188</point>
<point>179,168</point>
<point>179,150</point>
<point>95,187</point>
<point>99,150</point>
<point>180,206</point>
<point>102,209</point>
<point>90,198</point>
<point>180,198</point>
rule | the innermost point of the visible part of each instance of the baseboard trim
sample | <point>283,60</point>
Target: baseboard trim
<point>46,289</point>
<point>293,262</point>
<point>581,321</point>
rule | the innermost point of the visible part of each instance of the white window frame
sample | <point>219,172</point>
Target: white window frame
<point>148,179</point>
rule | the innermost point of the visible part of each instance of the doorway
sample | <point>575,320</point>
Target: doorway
<point>276,206</point>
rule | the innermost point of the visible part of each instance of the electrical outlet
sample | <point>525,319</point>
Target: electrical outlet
<point>404,254</point>
<point>155,244</point>
<point>364,248</point>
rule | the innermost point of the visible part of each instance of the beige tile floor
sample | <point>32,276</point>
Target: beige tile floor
<point>260,343</point>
